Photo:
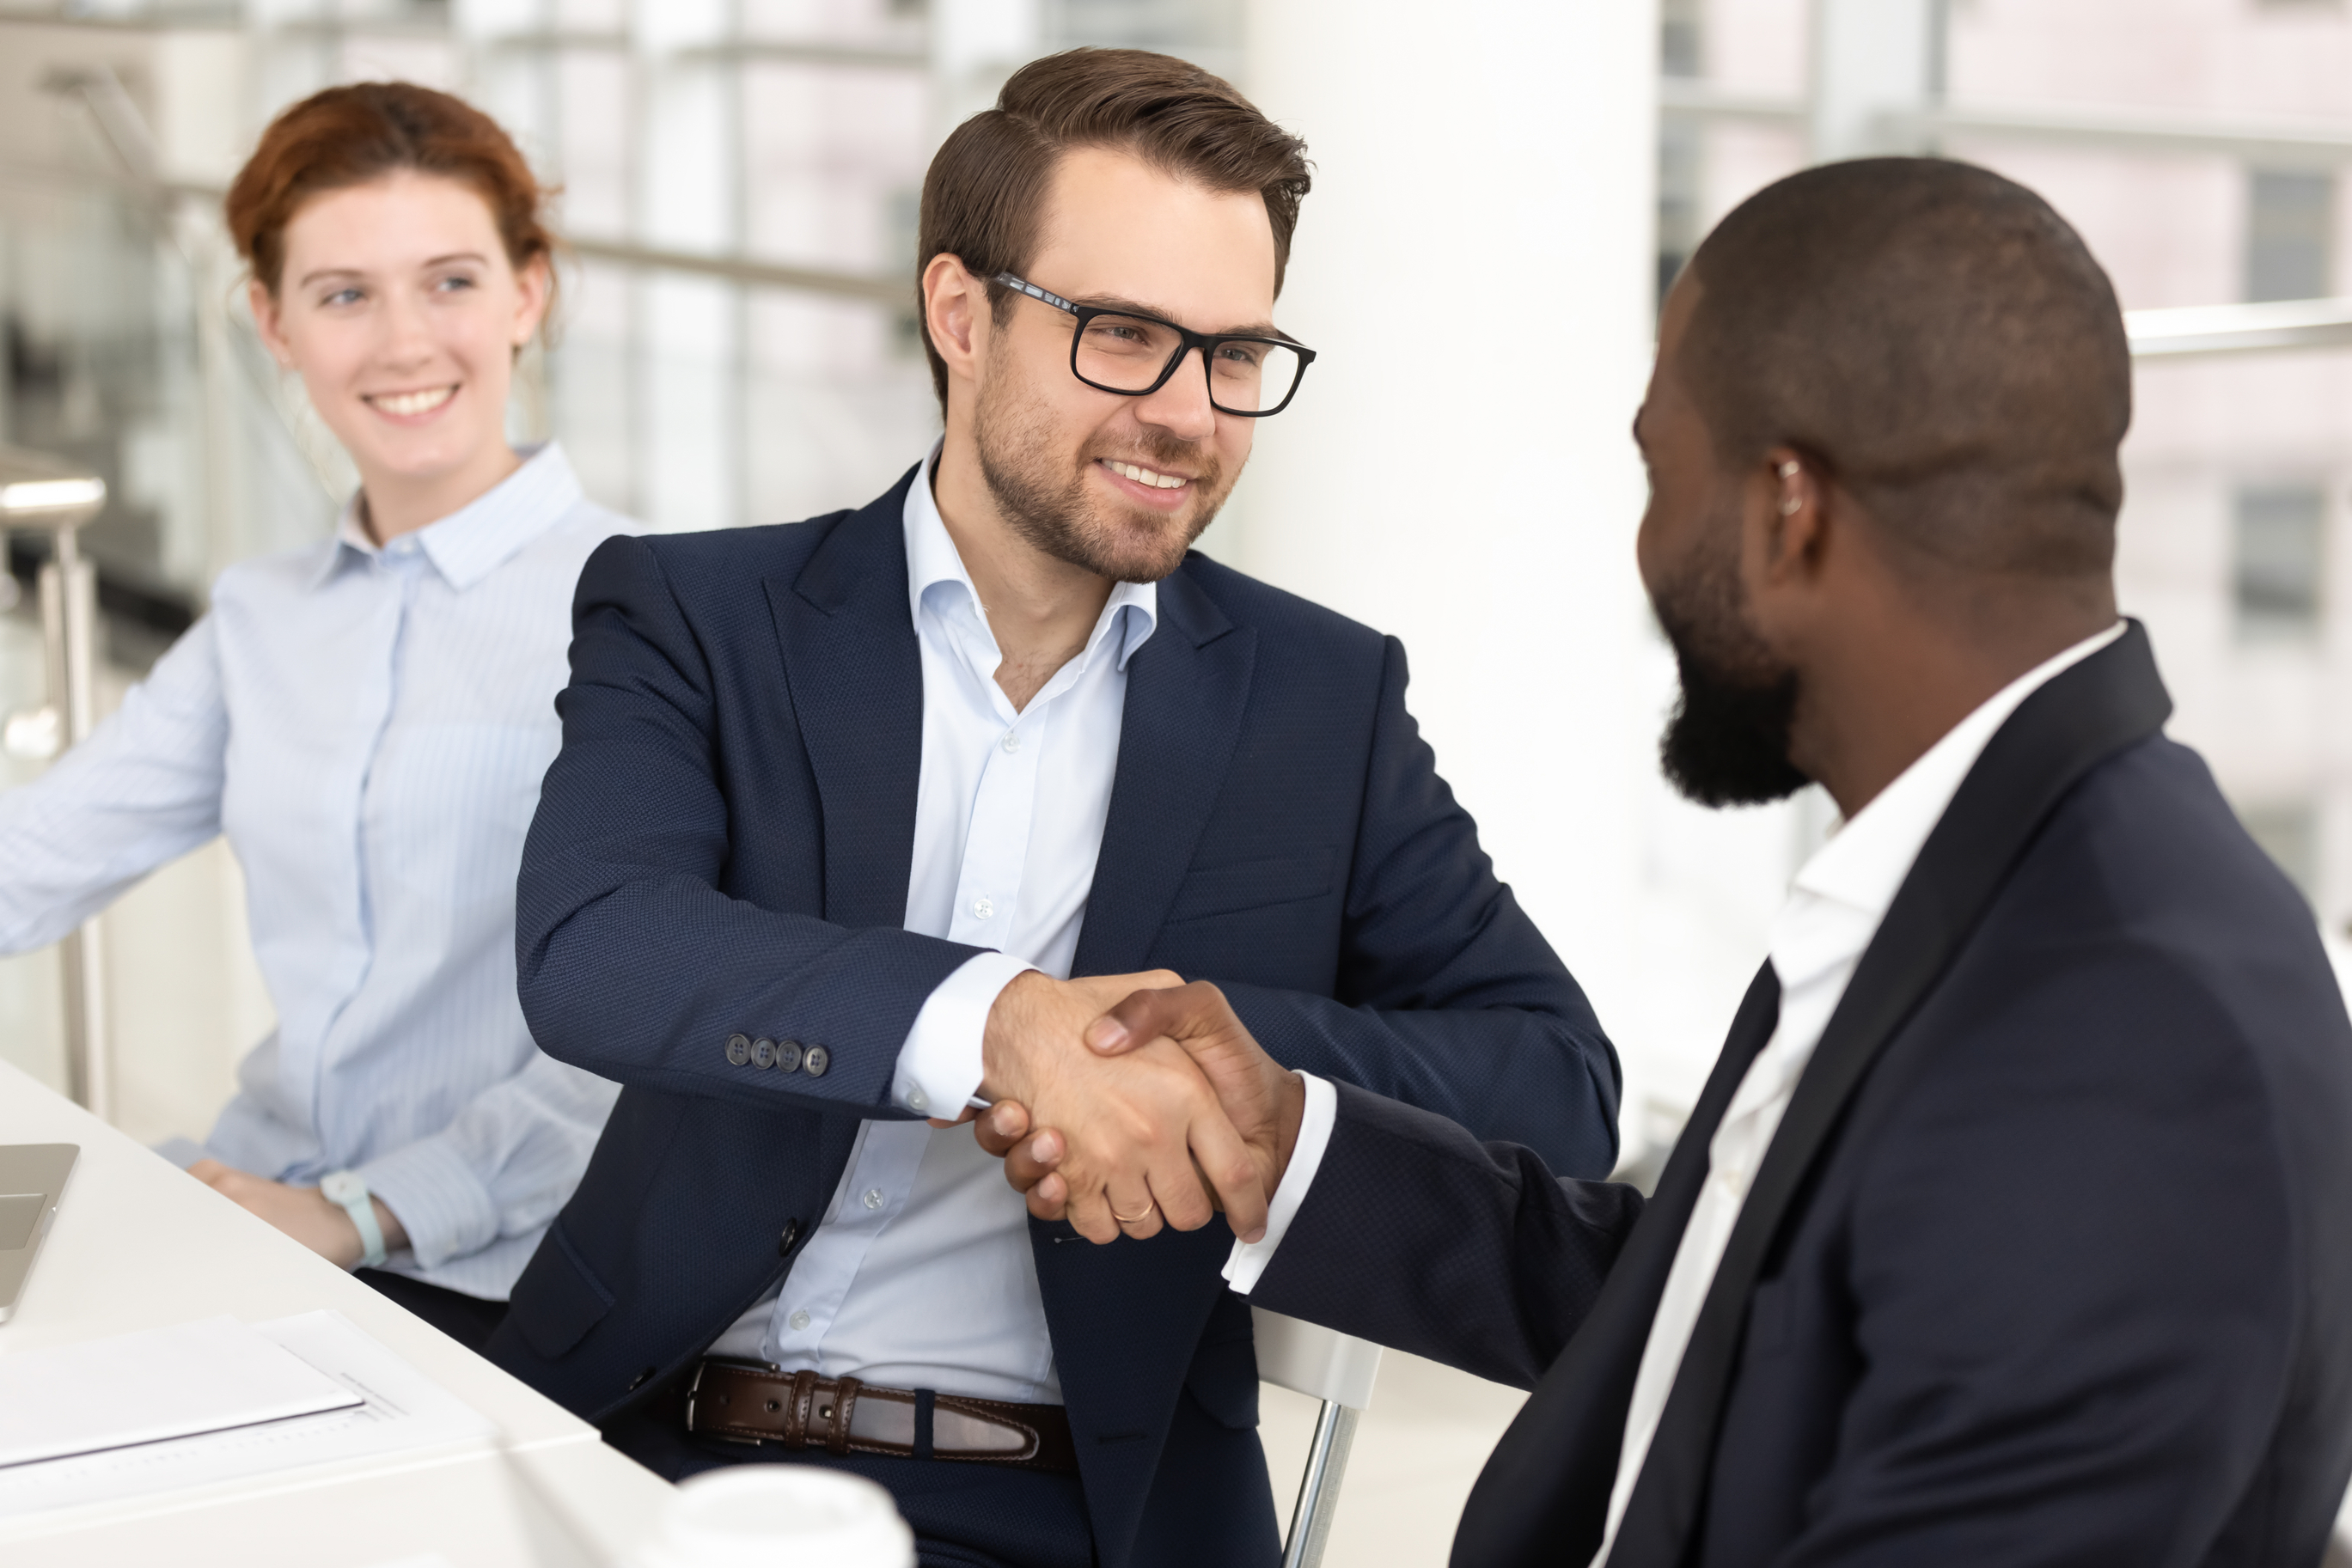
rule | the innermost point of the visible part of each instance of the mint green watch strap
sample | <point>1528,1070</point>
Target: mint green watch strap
<point>350,1189</point>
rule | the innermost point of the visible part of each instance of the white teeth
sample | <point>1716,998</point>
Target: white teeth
<point>1146,477</point>
<point>414,403</point>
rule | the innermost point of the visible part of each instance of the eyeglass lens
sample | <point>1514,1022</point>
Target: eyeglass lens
<point>1127,353</point>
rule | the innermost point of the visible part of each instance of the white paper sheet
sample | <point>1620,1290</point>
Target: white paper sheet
<point>144,1388</point>
<point>396,1409</point>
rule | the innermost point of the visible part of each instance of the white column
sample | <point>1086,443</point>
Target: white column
<point>689,388</point>
<point>1475,269</point>
<point>975,44</point>
<point>1875,63</point>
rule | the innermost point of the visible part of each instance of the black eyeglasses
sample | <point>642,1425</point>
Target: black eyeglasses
<point>1121,352</point>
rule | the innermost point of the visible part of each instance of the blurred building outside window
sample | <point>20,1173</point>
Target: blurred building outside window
<point>2290,235</point>
<point>2279,549</point>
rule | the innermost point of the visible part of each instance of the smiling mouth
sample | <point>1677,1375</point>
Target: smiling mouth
<point>409,405</point>
<point>1150,477</point>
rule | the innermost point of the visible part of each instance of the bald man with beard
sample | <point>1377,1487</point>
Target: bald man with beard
<point>2012,1225</point>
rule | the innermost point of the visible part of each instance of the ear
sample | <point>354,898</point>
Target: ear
<point>271,323</point>
<point>1784,520</point>
<point>957,314</point>
<point>534,282</point>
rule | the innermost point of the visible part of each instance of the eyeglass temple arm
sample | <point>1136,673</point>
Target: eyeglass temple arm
<point>1023,286</point>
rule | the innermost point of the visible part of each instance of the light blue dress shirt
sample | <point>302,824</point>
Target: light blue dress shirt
<point>920,1273</point>
<point>368,726</point>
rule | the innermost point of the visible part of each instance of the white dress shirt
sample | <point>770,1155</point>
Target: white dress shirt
<point>920,1275</point>
<point>1832,911</point>
<point>368,727</point>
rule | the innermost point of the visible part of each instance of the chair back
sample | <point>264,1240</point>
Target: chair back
<point>1318,1361</point>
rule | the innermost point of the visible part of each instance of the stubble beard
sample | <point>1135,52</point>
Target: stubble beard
<point>1053,510</point>
<point>1726,742</point>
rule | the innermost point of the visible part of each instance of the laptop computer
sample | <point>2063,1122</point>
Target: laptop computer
<point>32,1175</point>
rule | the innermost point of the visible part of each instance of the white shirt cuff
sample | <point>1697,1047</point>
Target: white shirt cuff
<point>939,1066</point>
<point>1250,1257</point>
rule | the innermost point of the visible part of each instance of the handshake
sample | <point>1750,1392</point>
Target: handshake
<point>1126,1102</point>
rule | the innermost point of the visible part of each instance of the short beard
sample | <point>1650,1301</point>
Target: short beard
<point>1726,743</point>
<point>1053,513</point>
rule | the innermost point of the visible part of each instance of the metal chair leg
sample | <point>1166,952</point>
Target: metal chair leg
<point>1318,1489</point>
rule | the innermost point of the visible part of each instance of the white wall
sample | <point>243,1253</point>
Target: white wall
<point>1474,268</point>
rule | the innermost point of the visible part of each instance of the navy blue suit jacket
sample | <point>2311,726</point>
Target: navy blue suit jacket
<point>723,846</point>
<point>2049,1260</point>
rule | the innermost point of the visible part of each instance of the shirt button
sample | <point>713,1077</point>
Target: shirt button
<point>798,1321</point>
<point>982,908</point>
<point>873,1198</point>
<point>918,1100</point>
<point>1012,740</point>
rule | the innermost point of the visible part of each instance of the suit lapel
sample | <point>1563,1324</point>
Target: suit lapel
<point>1543,1495</point>
<point>1127,1318</point>
<point>2078,719</point>
<point>856,681</point>
<point>1187,689</point>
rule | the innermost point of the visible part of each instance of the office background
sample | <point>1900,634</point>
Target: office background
<point>1502,187</point>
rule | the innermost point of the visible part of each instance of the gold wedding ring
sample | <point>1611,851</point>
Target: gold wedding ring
<point>1134,1218</point>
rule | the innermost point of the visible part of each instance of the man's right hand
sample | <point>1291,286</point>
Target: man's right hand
<point>1265,1102</point>
<point>1139,1129</point>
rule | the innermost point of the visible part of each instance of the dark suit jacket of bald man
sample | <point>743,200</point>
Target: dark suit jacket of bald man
<point>2049,1263</point>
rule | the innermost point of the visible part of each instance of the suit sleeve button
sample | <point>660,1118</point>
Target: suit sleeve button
<point>816,1059</point>
<point>788,1055</point>
<point>739,1048</point>
<point>763,1053</point>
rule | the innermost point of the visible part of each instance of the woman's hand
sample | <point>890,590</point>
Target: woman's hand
<point>303,1213</point>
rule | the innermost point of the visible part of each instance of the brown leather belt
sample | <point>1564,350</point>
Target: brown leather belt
<point>751,1401</point>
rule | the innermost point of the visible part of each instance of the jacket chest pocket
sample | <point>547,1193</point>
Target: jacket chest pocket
<point>1254,884</point>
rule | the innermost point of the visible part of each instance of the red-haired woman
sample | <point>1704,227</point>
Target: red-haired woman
<point>367,720</point>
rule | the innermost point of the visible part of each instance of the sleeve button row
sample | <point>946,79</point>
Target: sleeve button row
<point>788,1054</point>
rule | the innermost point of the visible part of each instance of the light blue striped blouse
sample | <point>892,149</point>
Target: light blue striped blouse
<point>369,727</point>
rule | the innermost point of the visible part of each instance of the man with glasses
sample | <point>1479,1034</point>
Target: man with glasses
<point>862,820</point>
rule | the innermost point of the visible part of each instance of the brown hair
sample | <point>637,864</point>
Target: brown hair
<point>350,135</point>
<point>984,196</point>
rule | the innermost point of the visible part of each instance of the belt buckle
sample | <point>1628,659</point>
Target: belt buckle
<point>695,1388</point>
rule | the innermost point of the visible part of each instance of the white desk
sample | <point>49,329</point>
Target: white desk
<point>138,1244</point>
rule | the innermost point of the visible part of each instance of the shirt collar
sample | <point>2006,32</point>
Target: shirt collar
<point>477,538</point>
<point>932,560</point>
<point>1860,869</point>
